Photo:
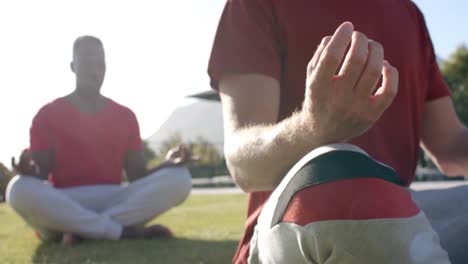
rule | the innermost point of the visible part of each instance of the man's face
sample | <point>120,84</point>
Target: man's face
<point>89,65</point>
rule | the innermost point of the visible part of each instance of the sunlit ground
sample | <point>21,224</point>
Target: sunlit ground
<point>207,227</point>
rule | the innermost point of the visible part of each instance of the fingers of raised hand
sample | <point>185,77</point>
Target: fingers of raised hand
<point>25,165</point>
<point>14,165</point>
<point>387,92</point>
<point>332,55</point>
<point>355,60</point>
<point>372,71</point>
<point>347,96</point>
<point>315,59</point>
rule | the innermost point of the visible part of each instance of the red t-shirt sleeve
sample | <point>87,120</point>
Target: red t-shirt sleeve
<point>40,131</point>
<point>437,86</point>
<point>134,139</point>
<point>247,41</point>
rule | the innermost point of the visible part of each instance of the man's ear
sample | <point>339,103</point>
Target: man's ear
<point>72,66</point>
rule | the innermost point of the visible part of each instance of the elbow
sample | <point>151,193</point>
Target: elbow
<point>249,178</point>
<point>239,176</point>
<point>240,167</point>
<point>450,154</point>
<point>449,170</point>
<point>246,184</point>
<point>242,182</point>
<point>449,167</point>
<point>250,173</point>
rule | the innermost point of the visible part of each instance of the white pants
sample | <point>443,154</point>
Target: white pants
<point>100,211</point>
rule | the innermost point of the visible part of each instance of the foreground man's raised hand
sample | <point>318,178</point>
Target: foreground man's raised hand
<point>341,101</point>
<point>344,105</point>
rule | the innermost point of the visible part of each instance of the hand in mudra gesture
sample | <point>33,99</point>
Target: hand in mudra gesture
<point>342,100</point>
<point>179,156</point>
<point>26,165</point>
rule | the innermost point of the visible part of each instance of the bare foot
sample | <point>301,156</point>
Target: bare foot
<point>149,232</point>
<point>67,239</point>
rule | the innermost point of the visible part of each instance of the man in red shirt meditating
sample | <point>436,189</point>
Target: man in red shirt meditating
<point>82,143</point>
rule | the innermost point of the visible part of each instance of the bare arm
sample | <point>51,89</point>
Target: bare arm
<point>44,160</point>
<point>445,138</point>
<point>36,164</point>
<point>135,162</point>
<point>135,165</point>
<point>259,151</point>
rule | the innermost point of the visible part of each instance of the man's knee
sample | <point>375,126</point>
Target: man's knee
<point>177,179</point>
<point>183,182</point>
<point>21,190</point>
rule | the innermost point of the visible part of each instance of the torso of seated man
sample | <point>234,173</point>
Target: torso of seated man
<point>278,38</point>
<point>299,27</point>
<point>88,141</point>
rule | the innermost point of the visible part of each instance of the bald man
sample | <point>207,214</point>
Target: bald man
<point>81,143</point>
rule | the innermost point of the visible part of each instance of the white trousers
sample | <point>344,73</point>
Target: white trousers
<point>100,211</point>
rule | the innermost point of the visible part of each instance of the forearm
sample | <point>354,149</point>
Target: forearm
<point>444,137</point>
<point>453,159</point>
<point>165,164</point>
<point>44,172</point>
<point>259,156</point>
<point>35,172</point>
<point>43,177</point>
<point>140,173</point>
<point>335,108</point>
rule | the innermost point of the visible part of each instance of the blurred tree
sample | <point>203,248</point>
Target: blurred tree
<point>455,71</point>
<point>149,152</point>
<point>165,146</point>
<point>207,152</point>
<point>5,176</point>
<point>171,142</point>
<point>210,161</point>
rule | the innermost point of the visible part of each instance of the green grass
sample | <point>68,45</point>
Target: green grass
<point>207,228</point>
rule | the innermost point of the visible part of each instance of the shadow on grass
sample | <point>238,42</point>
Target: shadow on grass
<point>179,250</point>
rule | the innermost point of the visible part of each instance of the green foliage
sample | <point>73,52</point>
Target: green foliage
<point>455,71</point>
<point>173,141</point>
<point>149,152</point>
<point>211,162</point>
<point>5,176</point>
<point>207,152</point>
<point>166,145</point>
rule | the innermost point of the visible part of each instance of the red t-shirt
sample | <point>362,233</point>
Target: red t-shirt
<point>88,149</point>
<point>278,38</point>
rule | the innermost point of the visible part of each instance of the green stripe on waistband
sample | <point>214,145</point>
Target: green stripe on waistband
<point>333,166</point>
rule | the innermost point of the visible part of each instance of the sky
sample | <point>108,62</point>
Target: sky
<point>156,52</point>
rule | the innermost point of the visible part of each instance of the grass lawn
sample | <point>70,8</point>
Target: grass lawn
<point>207,227</point>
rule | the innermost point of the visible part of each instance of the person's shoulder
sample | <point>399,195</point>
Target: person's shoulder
<point>411,3</point>
<point>55,106</point>
<point>120,108</point>
<point>413,9</point>
<point>418,17</point>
